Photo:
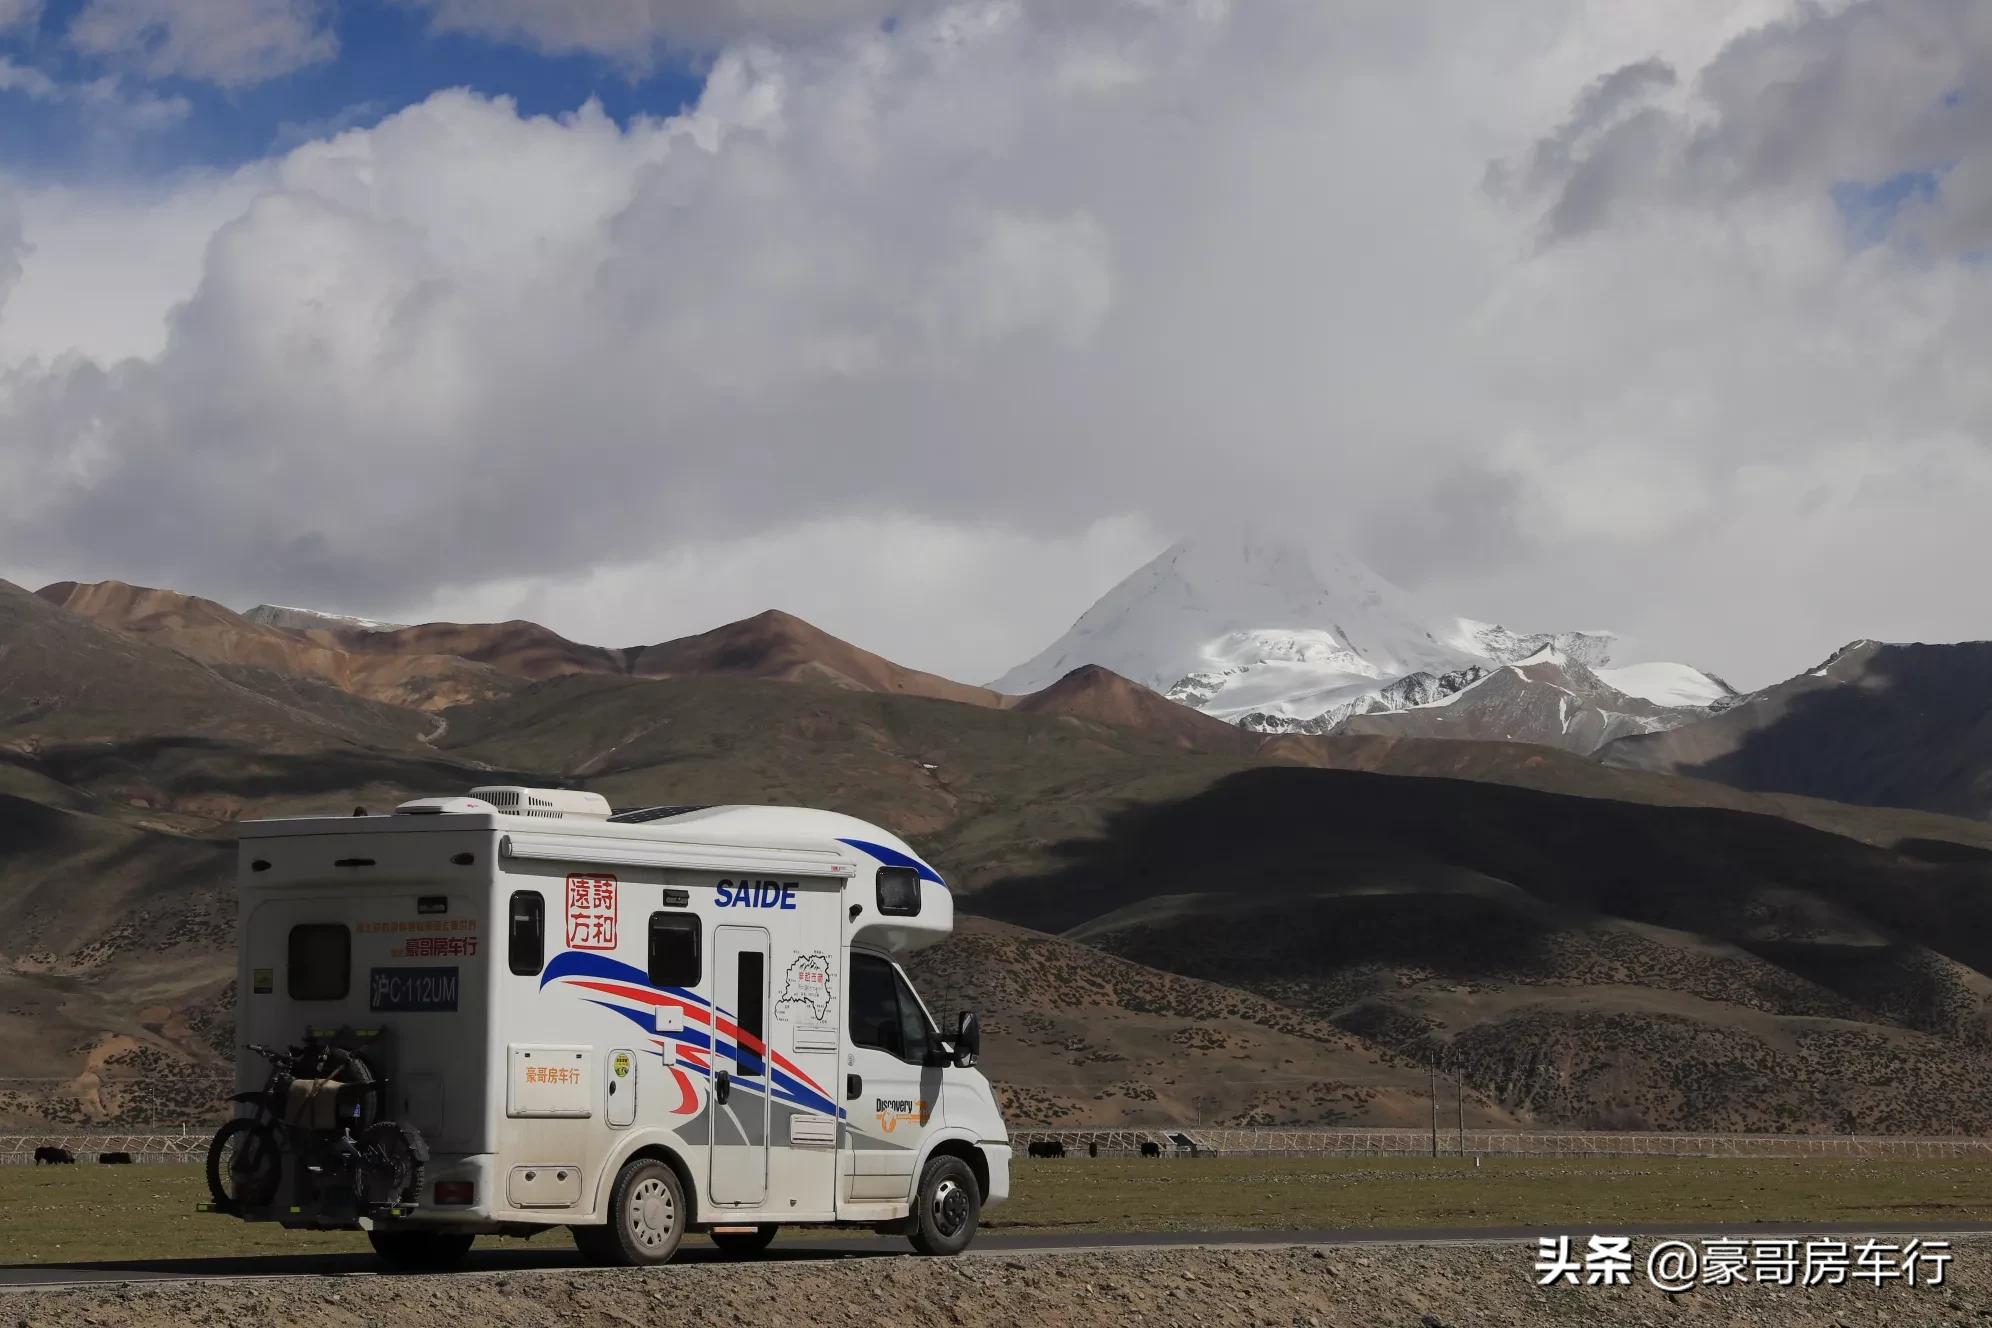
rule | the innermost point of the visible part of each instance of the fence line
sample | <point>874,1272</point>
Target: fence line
<point>185,1143</point>
<point>1372,1142</point>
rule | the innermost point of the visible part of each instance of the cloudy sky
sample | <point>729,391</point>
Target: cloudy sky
<point>930,320</point>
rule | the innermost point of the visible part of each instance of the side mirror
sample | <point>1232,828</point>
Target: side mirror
<point>967,1039</point>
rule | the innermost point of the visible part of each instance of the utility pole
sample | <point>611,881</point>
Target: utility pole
<point>1459,1086</point>
<point>1435,1108</point>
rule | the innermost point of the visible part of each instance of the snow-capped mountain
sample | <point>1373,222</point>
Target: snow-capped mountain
<point>292,619</point>
<point>1228,606</point>
<point>1257,631</point>
<point>1672,685</point>
<point>1548,698</point>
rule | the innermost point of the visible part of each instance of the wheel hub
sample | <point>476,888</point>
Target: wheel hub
<point>651,1213</point>
<point>950,1208</point>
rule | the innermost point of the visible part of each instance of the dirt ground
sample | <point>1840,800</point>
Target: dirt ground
<point>1454,1286</point>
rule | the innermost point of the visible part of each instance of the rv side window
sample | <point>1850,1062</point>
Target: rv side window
<point>918,1035</point>
<point>885,1014</point>
<point>898,892</point>
<point>527,944</point>
<point>753,999</point>
<point>674,950</point>
<point>320,964</point>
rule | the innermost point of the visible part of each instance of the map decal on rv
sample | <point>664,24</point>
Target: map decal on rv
<point>807,985</point>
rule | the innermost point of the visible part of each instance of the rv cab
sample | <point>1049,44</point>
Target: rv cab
<point>632,1024</point>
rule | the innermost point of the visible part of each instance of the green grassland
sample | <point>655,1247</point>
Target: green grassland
<point>90,1214</point>
<point>1219,1194</point>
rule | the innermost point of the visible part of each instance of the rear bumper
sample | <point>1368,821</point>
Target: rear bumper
<point>480,1171</point>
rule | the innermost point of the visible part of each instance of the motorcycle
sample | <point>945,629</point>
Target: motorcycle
<point>316,1119</point>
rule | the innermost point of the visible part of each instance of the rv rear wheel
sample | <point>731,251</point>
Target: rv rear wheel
<point>646,1218</point>
<point>743,1244</point>
<point>413,1251</point>
<point>945,1207</point>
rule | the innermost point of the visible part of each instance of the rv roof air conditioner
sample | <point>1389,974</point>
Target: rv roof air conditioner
<point>552,804</point>
<point>513,800</point>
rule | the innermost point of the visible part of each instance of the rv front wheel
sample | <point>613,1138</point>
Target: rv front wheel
<point>646,1218</point>
<point>420,1250</point>
<point>945,1208</point>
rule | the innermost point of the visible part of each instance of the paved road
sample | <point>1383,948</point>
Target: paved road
<point>552,1251</point>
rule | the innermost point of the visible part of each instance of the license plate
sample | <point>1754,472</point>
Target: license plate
<point>413,990</point>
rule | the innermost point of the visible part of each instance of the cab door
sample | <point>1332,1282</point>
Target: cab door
<point>892,1091</point>
<point>737,1106</point>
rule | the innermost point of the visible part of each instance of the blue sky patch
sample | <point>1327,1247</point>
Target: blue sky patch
<point>1868,209</point>
<point>66,114</point>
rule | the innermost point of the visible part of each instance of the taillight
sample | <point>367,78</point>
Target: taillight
<point>456,1192</point>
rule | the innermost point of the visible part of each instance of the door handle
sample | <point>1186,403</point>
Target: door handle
<point>854,1085</point>
<point>722,1087</point>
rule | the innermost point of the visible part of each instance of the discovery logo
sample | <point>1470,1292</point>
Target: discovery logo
<point>896,1111</point>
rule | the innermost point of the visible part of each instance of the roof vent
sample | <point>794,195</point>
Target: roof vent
<point>442,807</point>
<point>549,804</point>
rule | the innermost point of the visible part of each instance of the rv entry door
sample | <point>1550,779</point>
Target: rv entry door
<point>738,1107</point>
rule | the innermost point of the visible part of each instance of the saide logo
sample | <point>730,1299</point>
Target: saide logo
<point>757,894</point>
<point>896,1111</point>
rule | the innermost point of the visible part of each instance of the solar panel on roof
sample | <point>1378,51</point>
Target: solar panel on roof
<point>637,815</point>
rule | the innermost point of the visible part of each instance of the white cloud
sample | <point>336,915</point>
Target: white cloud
<point>959,289</point>
<point>230,43</point>
<point>18,13</point>
<point>13,246</point>
<point>90,288</point>
<point>29,82</point>
<point>108,104</point>
<point>1854,94</point>
<point>943,597</point>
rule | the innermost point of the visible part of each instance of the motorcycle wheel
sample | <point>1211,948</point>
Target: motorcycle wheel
<point>244,1164</point>
<point>393,1156</point>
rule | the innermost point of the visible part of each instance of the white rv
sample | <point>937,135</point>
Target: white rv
<point>632,1025</point>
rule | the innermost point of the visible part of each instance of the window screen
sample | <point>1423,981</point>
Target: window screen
<point>526,947</point>
<point>674,950</point>
<point>321,962</point>
<point>874,1006</point>
<point>753,997</point>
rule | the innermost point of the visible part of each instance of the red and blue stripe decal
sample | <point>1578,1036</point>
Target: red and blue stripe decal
<point>707,1037</point>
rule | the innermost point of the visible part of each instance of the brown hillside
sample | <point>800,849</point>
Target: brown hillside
<point>66,679</point>
<point>782,647</point>
<point>1527,765</point>
<point>1102,696</point>
<point>1586,945</point>
<point>203,630</point>
<point>1879,724</point>
<point>1075,1036</point>
<point>520,648</point>
<point>141,608</point>
<point>1581,961</point>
